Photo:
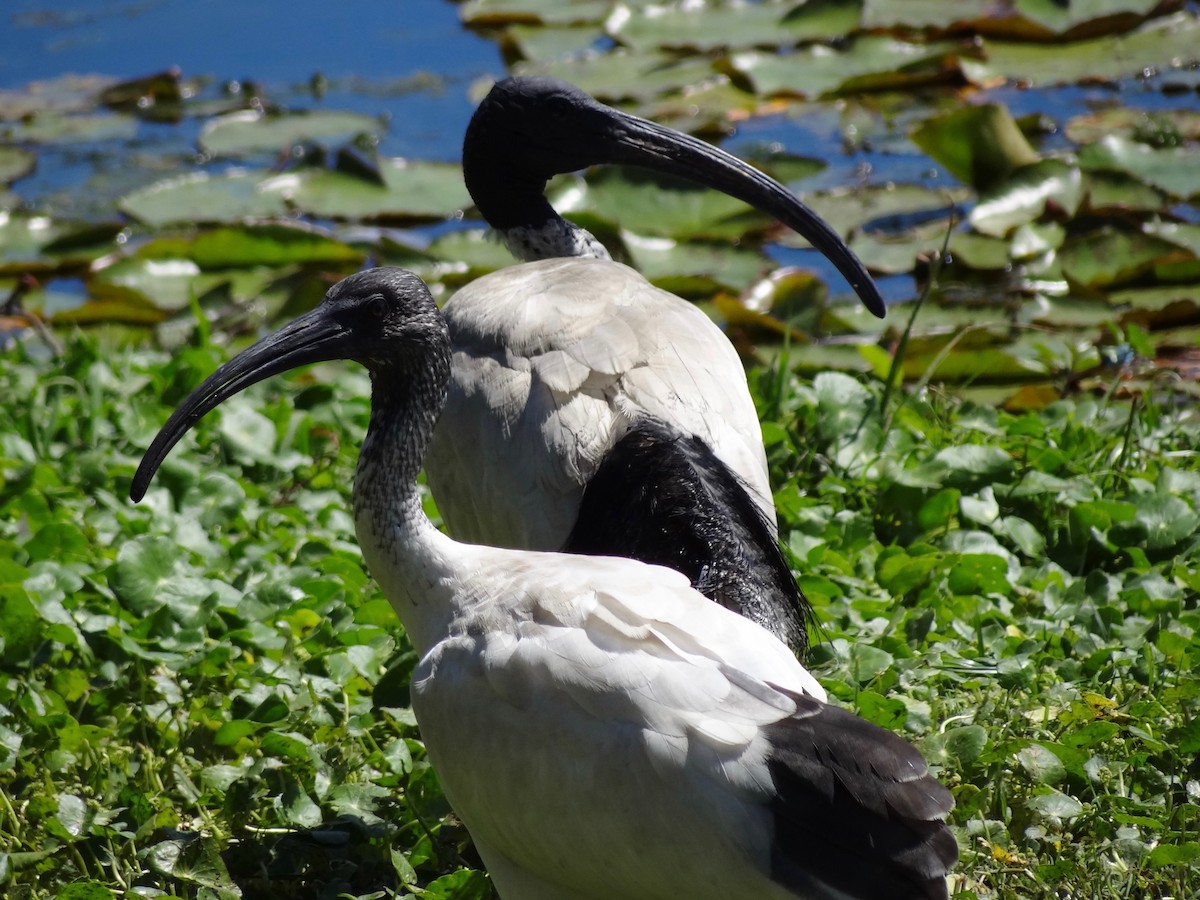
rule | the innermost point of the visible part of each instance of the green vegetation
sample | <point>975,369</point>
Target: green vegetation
<point>204,694</point>
<point>188,681</point>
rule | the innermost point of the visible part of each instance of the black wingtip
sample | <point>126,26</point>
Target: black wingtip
<point>857,813</point>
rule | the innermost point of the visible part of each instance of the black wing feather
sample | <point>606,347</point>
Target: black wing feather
<point>664,497</point>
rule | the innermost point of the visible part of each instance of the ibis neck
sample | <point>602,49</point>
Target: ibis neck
<point>513,201</point>
<point>405,553</point>
<point>553,239</point>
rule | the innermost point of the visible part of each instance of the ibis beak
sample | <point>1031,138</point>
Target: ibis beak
<point>314,337</point>
<point>634,141</point>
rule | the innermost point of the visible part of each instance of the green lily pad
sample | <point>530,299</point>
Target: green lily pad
<point>68,93</point>
<point>545,42</point>
<point>978,145</point>
<point>870,63</point>
<point>694,269</point>
<point>493,13</point>
<point>468,254</point>
<point>413,190</point>
<point>252,131</point>
<point>269,244</point>
<point>1161,43</point>
<point>651,204</point>
<point>623,75</point>
<point>1116,192</point>
<point>1026,195</point>
<point>1175,125</point>
<point>54,128</point>
<point>15,163</point>
<point>1109,256</point>
<point>1158,307</point>
<point>849,208</point>
<point>38,245</point>
<point>200,197</point>
<point>1182,234</point>
<point>709,27</point>
<point>1175,170</point>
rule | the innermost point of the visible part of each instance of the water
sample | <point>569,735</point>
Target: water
<point>410,60</point>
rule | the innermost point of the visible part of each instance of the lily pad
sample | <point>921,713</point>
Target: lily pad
<point>54,128</point>
<point>1162,43</point>
<point>651,204</point>
<point>623,75</point>
<point>269,244</point>
<point>15,163</point>
<point>694,269</point>
<point>978,145</point>
<point>1116,192</point>
<point>709,27</point>
<point>1129,121</point>
<point>849,208</point>
<point>252,131</point>
<point>1026,195</point>
<point>492,13</point>
<point>200,197</point>
<point>545,42</point>
<point>870,63</point>
<point>1175,170</point>
<point>1110,256</point>
<point>412,190</point>
<point>68,93</point>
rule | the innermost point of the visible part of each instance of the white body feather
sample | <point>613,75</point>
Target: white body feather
<point>596,722</point>
<point>552,361</point>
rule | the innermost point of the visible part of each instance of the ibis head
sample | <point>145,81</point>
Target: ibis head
<point>529,129</point>
<point>383,319</point>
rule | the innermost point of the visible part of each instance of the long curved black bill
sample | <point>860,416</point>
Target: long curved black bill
<point>314,337</point>
<point>635,141</point>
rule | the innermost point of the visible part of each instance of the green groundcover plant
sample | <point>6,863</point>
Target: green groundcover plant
<point>205,695</point>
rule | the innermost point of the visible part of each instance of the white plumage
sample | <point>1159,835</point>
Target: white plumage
<point>603,729</point>
<point>553,360</point>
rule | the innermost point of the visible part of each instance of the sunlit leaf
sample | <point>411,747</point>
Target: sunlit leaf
<point>1159,43</point>
<point>869,63</point>
<point>979,145</point>
<point>15,163</point>
<point>199,197</point>
<point>253,131</point>
<point>1026,194</point>
<point>1174,170</point>
<point>412,189</point>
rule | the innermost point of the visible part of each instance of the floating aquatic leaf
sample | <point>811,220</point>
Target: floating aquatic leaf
<point>490,13</point>
<point>1026,194</point>
<point>621,75</point>
<point>546,42</point>
<point>869,63</point>
<point>1168,125</point>
<point>851,208</point>
<point>200,197</point>
<point>709,27</point>
<point>979,145</point>
<point>649,204</point>
<point>53,128</point>
<point>15,163</point>
<point>1110,256</point>
<point>1175,170</point>
<point>1161,43</point>
<point>253,131</point>
<point>412,190</point>
<point>1116,192</point>
<point>67,93</point>
<point>694,269</point>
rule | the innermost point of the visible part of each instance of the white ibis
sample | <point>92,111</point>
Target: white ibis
<point>556,360</point>
<point>601,727</point>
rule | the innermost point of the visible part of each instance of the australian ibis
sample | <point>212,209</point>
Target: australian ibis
<point>601,727</point>
<point>557,359</point>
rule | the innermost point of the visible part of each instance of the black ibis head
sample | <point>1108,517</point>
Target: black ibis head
<point>529,129</point>
<point>383,318</point>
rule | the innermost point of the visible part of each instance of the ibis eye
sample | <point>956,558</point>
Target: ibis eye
<point>377,307</point>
